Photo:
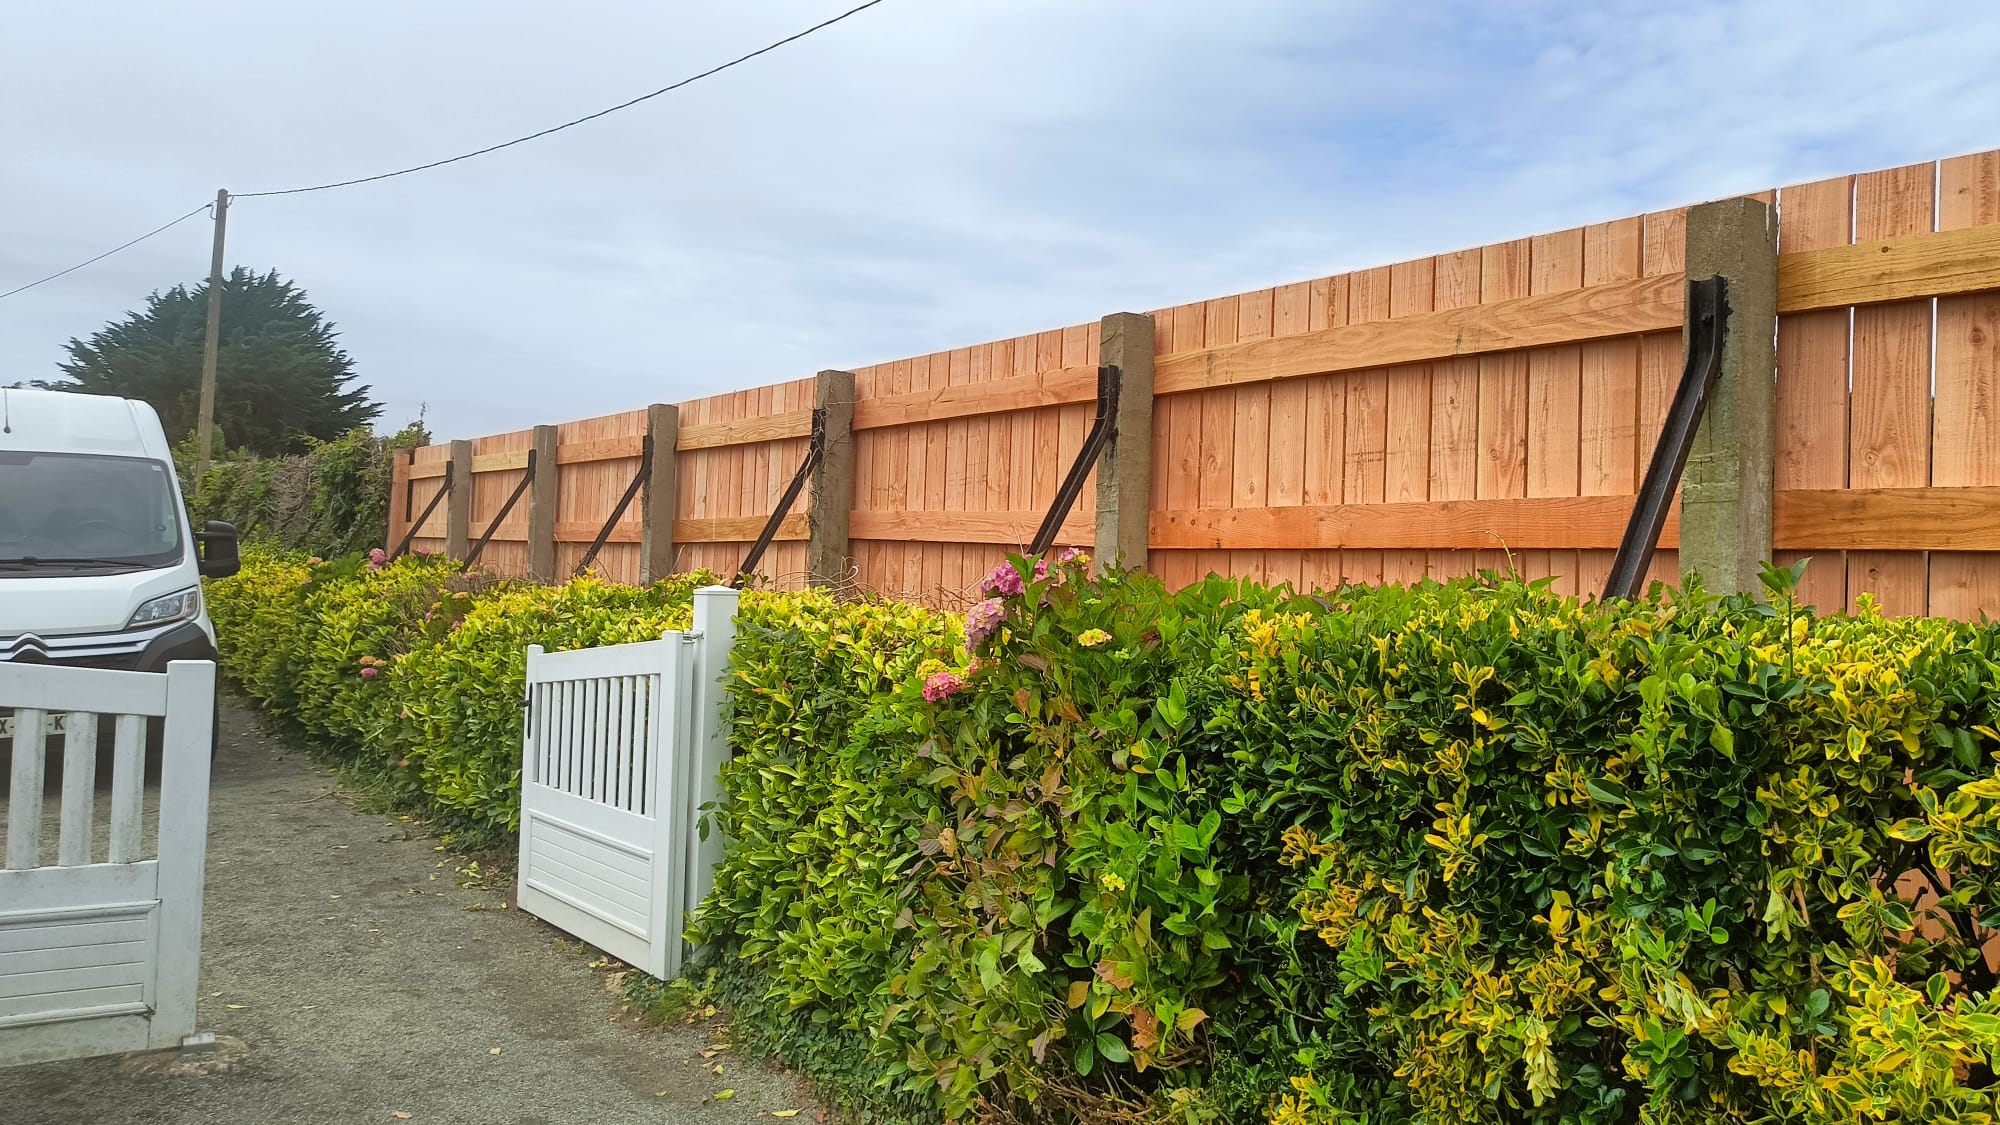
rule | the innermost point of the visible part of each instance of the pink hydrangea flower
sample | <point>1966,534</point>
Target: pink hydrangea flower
<point>378,556</point>
<point>941,687</point>
<point>1041,569</point>
<point>1004,581</point>
<point>984,621</point>
<point>1072,554</point>
<point>370,672</point>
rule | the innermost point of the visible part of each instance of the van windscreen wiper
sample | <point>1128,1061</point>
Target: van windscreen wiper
<point>31,562</point>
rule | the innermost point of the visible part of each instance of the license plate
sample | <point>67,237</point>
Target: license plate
<point>51,724</point>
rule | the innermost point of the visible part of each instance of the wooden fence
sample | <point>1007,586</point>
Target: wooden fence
<point>1490,407</point>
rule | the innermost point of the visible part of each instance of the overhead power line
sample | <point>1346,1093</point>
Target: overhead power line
<point>108,253</point>
<point>688,81</point>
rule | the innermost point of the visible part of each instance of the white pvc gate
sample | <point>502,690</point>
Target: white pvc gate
<point>622,746</point>
<point>99,949</point>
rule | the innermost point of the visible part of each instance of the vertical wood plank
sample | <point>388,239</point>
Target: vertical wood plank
<point>1291,314</point>
<point>1608,455</point>
<point>1454,460</point>
<point>1812,380</point>
<point>1406,464</point>
<point>1663,250</point>
<point>1250,449</point>
<point>1965,443</point>
<point>1503,383</point>
<point>1889,420</point>
<point>1555,398</point>
<point>184,764</point>
<point>1363,480</point>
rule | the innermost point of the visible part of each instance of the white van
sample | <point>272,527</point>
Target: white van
<point>98,564</point>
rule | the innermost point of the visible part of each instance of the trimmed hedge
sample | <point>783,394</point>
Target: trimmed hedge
<point>1449,854</point>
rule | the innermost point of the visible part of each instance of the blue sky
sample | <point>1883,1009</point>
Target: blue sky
<point>927,175</point>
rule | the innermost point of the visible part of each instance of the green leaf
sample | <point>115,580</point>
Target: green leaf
<point>1606,790</point>
<point>1112,1048</point>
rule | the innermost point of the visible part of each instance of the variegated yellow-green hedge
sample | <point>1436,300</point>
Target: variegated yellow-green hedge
<point>1472,853</point>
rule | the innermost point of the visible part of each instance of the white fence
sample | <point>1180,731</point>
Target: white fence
<point>621,747</point>
<point>100,942</point>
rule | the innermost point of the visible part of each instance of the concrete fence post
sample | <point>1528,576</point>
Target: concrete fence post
<point>1726,490</point>
<point>828,558</point>
<point>1125,468</point>
<point>542,508</point>
<point>661,498</point>
<point>458,506</point>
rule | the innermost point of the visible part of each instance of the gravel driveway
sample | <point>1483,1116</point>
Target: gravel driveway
<point>368,985</point>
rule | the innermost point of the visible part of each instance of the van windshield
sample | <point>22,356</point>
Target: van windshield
<point>68,513</point>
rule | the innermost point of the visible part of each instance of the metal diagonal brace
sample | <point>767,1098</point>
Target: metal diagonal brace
<point>444,490</point>
<point>1708,319</point>
<point>1102,430</point>
<point>639,479</point>
<point>815,452</point>
<point>527,478</point>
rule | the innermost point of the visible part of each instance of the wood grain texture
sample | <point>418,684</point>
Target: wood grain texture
<point>1503,382</point>
<point>1812,377</point>
<point>1565,522</point>
<point>1903,521</point>
<point>1878,270</point>
<point>1012,530</point>
<point>729,529</point>
<point>749,430</point>
<point>601,449</point>
<point>1498,325</point>
<point>1889,414</point>
<point>1965,435</point>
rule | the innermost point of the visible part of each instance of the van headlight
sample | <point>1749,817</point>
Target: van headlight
<point>178,606</point>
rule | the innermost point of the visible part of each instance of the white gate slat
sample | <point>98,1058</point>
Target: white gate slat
<point>600,711</point>
<point>715,621</point>
<point>614,789</point>
<point>79,789</point>
<point>128,789</point>
<point>24,805</point>
<point>184,762</point>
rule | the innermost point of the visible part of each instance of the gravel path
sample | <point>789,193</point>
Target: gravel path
<point>367,985</point>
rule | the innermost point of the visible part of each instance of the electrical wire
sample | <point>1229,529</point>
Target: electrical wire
<point>714,70</point>
<point>688,81</point>
<point>108,253</point>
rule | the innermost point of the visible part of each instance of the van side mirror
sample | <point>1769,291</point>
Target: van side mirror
<point>219,555</point>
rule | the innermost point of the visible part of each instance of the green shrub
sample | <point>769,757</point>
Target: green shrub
<point>1471,853</point>
<point>332,500</point>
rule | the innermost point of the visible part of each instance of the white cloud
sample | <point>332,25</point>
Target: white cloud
<point>924,176</point>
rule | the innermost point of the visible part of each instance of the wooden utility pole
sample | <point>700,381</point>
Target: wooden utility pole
<point>205,418</point>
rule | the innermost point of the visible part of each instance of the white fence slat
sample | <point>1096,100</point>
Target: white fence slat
<point>128,789</point>
<point>79,789</point>
<point>184,765</point>
<point>531,723</point>
<point>24,806</point>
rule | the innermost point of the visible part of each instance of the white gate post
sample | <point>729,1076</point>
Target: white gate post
<point>715,624</point>
<point>183,845</point>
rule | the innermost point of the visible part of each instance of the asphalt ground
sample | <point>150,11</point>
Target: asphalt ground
<point>370,978</point>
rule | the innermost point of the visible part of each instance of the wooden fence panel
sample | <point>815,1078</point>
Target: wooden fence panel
<point>1488,408</point>
<point>426,481</point>
<point>507,552</point>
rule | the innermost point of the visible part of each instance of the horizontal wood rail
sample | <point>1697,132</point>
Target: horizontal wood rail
<point>425,469</point>
<point>603,449</point>
<point>1007,529</point>
<point>737,529</point>
<point>1858,519</point>
<point>1895,269</point>
<point>500,462</point>
<point>1888,519</point>
<point>584,532</point>
<point>964,400</point>
<point>1547,523</point>
<point>1619,308</point>
<point>746,431</point>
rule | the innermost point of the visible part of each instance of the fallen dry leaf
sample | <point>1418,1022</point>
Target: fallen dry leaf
<point>494,1051</point>
<point>723,1095</point>
<point>236,1007</point>
<point>784,1113</point>
<point>400,1115</point>
<point>708,1054</point>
